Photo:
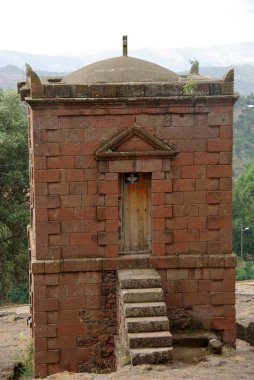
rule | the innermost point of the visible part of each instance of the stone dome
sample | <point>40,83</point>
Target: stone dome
<point>121,70</point>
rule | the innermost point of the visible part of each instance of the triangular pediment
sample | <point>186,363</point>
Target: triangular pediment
<point>134,142</point>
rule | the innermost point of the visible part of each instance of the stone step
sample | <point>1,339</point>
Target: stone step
<point>193,338</point>
<point>145,324</point>
<point>146,309</point>
<point>142,295</point>
<point>139,278</point>
<point>150,339</point>
<point>151,355</point>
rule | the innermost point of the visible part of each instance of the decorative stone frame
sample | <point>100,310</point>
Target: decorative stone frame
<point>107,150</point>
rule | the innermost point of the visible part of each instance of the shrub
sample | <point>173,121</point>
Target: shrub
<point>246,272</point>
<point>249,270</point>
<point>240,274</point>
<point>18,294</point>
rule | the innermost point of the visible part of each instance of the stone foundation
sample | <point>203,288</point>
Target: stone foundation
<point>74,321</point>
<point>75,312</point>
<point>202,298</point>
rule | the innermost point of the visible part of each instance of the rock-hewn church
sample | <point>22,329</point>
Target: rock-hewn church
<point>130,232</point>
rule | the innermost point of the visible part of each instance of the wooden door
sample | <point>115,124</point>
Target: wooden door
<point>135,213</point>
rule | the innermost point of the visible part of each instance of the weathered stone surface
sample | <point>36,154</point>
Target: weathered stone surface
<point>128,91</point>
<point>193,338</point>
<point>229,76</point>
<point>215,346</point>
<point>151,355</point>
<point>122,354</point>
<point>245,331</point>
<point>103,91</point>
<point>148,309</point>
<point>150,339</point>
<point>81,91</point>
<point>214,88</point>
<point>144,324</point>
<point>147,326</point>
<point>202,89</point>
<point>87,340</point>
<point>165,89</point>
<point>227,88</point>
<point>141,278</point>
<point>142,295</point>
<point>121,70</point>
<point>57,91</point>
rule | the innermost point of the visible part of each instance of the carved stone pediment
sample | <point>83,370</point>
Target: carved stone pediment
<point>134,142</point>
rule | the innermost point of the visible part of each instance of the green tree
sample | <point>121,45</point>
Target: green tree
<point>243,133</point>
<point>13,194</point>
<point>243,211</point>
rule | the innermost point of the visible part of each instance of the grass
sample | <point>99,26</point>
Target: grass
<point>26,358</point>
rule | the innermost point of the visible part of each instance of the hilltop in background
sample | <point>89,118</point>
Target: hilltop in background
<point>214,61</point>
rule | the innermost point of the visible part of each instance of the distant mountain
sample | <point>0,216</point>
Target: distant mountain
<point>50,63</point>
<point>10,75</point>
<point>214,61</point>
<point>244,76</point>
<point>174,59</point>
<point>40,62</point>
<point>219,55</point>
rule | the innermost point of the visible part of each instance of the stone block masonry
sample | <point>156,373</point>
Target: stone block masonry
<point>75,321</point>
<point>75,204</point>
<point>83,140</point>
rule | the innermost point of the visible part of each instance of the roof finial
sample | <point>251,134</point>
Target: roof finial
<point>125,46</point>
<point>194,67</point>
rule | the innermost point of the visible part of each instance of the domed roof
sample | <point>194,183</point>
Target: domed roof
<point>121,70</point>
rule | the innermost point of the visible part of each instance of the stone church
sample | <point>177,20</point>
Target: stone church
<point>130,212</point>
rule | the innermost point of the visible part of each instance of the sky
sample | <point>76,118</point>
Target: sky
<point>80,27</point>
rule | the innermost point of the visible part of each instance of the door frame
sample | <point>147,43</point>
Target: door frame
<point>123,215</point>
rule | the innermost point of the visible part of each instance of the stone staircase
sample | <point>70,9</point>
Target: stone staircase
<point>142,317</point>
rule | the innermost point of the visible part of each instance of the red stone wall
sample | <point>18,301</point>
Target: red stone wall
<point>201,298</point>
<point>74,207</point>
<point>75,321</point>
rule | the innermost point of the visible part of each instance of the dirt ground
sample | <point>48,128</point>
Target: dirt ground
<point>232,364</point>
<point>14,335</point>
<point>245,300</point>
